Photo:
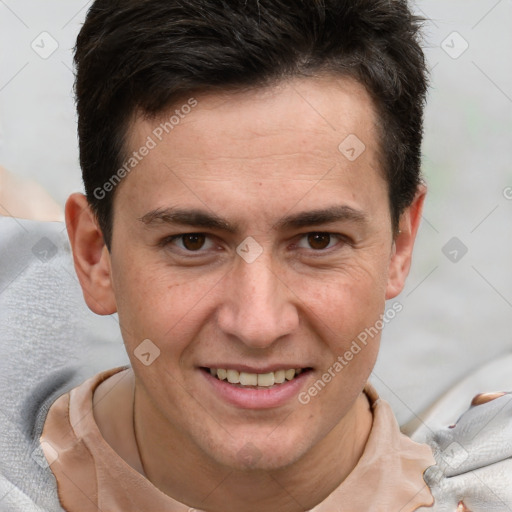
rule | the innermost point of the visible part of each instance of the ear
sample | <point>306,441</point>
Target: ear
<point>403,244</point>
<point>90,255</point>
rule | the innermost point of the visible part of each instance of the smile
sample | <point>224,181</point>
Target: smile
<point>246,389</point>
<point>255,380</point>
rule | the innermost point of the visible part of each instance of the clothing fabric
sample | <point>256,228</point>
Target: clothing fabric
<point>50,342</point>
<point>474,458</point>
<point>91,476</point>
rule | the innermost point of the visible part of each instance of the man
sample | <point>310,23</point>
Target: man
<point>252,172</point>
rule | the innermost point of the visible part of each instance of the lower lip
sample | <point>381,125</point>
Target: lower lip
<point>252,398</point>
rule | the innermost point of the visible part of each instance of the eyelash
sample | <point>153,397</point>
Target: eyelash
<point>344,240</point>
<point>169,240</point>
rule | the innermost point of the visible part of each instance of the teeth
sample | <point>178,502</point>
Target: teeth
<point>233,376</point>
<point>248,379</point>
<point>279,376</point>
<point>255,379</point>
<point>289,374</point>
<point>266,379</point>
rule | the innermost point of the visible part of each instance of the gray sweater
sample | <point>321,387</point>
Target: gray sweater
<point>50,342</point>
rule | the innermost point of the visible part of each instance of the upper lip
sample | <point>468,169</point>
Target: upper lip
<point>251,369</point>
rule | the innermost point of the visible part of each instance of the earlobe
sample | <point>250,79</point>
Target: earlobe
<point>90,255</point>
<point>403,245</point>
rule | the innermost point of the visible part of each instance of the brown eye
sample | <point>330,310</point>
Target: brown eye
<point>193,241</point>
<point>319,241</point>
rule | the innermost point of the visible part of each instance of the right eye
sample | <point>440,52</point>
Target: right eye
<point>189,242</point>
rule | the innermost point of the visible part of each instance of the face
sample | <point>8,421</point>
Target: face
<point>246,240</point>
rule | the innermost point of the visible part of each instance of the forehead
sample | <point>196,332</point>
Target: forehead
<point>292,135</point>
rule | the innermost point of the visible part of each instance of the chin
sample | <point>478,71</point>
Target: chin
<point>259,453</point>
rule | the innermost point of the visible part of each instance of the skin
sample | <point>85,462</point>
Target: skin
<point>251,158</point>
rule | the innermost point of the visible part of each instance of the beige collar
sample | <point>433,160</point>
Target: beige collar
<point>91,475</point>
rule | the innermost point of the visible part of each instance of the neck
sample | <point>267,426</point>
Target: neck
<point>169,458</point>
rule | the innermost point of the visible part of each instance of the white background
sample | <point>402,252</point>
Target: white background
<point>456,316</point>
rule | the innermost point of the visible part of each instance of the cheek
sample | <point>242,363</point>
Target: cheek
<point>346,300</point>
<point>345,311</point>
<point>347,319</point>
<point>155,303</point>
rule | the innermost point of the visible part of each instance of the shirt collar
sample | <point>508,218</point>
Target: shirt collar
<point>91,476</point>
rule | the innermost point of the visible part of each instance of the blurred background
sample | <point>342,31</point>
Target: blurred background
<point>457,306</point>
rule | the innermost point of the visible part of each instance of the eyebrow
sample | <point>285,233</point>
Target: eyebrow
<point>329,215</point>
<point>203,219</point>
<point>186,217</point>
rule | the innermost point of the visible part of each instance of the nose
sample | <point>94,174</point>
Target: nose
<point>258,306</point>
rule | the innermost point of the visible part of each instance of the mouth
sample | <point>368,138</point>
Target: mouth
<point>267,380</point>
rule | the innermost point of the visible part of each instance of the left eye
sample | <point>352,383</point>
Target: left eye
<point>319,241</point>
<point>191,242</point>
